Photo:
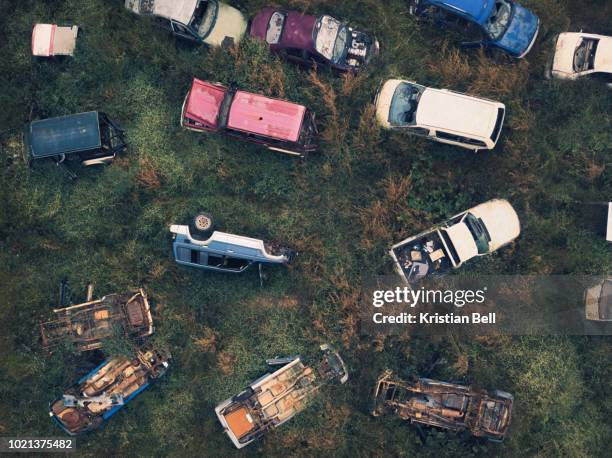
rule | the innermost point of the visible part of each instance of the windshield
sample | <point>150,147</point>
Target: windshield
<point>479,232</point>
<point>584,58</point>
<point>205,17</point>
<point>331,38</point>
<point>404,105</point>
<point>499,19</point>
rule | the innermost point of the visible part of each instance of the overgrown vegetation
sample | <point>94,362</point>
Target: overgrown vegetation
<point>340,209</point>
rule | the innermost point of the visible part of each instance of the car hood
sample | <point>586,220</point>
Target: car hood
<point>564,52</point>
<point>230,24</point>
<point>521,33</point>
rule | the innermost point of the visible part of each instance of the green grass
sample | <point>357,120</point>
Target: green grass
<point>341,209</point>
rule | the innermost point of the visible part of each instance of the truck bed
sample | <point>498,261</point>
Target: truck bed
<point>423,256</point>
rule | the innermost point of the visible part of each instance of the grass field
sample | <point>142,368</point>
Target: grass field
<point>341,209</point>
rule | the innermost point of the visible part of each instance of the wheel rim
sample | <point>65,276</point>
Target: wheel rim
<point>202,222</point>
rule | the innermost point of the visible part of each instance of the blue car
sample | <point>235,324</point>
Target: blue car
<point>506,24</point>
<point>97,396</point>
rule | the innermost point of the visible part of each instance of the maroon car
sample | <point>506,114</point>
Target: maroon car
<point>310,40</point>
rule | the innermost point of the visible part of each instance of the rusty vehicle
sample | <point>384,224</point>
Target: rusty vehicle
<point>278,125</point>
<point>86,325</point>
<point>322,41</point>
<point>448,406</point>
<point>276,397</point>
<point>97,396</point>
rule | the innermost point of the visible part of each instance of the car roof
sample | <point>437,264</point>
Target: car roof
<point>178,10</point>
<point>461,113</point>
<point>65,134</point>
<point>480,10</point>
<point>205,101</point>
<point>265,116</point>
<point>297,30</point>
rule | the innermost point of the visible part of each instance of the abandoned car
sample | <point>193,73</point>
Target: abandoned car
<point>440,115</point>
<point>506,25</point>
<point>87,325</point>
<point>448,406</point>
<point>309,40</point>
<point>198,245</point>
<point>97,396</point>
<point>478,231</point>
<point>91,136</point>
<point>276,397</point>
<point>598,301</point>
<point>581,54</point>
<point>203,21</point>
<point>278,125</point>
<point>52,40</point>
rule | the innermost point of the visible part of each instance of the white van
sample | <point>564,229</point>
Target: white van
<point>439,114</point>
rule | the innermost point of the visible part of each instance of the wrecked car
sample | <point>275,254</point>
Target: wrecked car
<point>506,25</point>
<point>97,396</point>
<point>448,406</point>
<point>199,245</point>
<point>314,41</point>
<point>440,114</point>
<point>479,231</point>
<point>581,54</point>
<point>276,397</point>
<point>91,137</point>
<point>598,301</point>
<point>202,21</point>
<point>87,325</point>
<point>50,40</point>
<point>278,125</point>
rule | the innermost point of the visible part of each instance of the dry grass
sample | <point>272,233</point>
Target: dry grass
<point>335,129</point>
<point>379,220</point>
<point>207,340</point>
<point>148,175</point>
<point>483,76</point>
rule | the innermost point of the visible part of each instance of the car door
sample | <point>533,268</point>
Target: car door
<point>182,31</point>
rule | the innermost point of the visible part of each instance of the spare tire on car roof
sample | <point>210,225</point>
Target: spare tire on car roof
<point>202,225</point>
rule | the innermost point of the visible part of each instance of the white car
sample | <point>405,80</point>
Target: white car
<point>478,231</point>
<point>204,21</point>
<point>598,301</point>
<point>579,54</point>
<point>440,114</point>
<point>52,40</point>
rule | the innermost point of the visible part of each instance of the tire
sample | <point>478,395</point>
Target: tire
<point>202,225</point>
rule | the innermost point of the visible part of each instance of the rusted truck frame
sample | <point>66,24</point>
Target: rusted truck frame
<point>86,325</point>
<point>448,406</point>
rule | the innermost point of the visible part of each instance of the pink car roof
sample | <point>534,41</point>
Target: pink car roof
<point>204,102</point>
<point>265,116</point>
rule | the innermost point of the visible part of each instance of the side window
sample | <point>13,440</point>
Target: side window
<point>296,53</point>
<point>215,261</point>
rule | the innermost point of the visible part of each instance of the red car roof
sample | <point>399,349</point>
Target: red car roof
<point>204,102</point>
<point>265,116</point>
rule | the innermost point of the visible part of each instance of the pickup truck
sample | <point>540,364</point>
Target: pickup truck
<point>475,232</point>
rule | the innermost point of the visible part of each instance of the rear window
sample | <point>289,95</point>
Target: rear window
<point>451,248</point>
<point>275,28</point>
<point>498,124</point>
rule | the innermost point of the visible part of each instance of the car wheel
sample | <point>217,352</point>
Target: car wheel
<point>202,225</point>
